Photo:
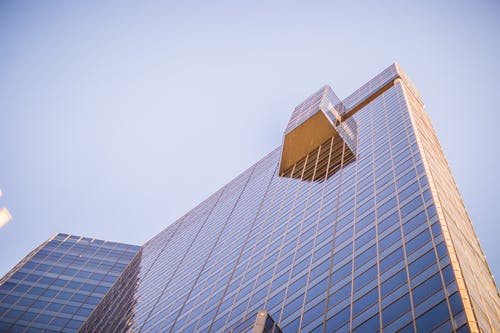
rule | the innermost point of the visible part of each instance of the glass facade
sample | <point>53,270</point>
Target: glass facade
<point>353,224</point>
<point>358,235</point>
<point>57,286</point>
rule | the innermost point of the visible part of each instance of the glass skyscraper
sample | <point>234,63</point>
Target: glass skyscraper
<point>353,224</point>
<point>58,285</point>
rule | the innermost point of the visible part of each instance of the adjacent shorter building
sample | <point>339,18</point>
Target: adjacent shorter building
<point>57,286</point>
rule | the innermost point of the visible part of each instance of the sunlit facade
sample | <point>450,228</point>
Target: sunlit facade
<point>58,285</point>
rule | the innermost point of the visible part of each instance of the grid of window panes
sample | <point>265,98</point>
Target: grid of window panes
<point>56,287</point>
<point>478,284</point>
<point>359,250</point>
<point>366,90</point>
<point>324,99</point>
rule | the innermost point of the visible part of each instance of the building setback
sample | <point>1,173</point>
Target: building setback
<point>58,285</point>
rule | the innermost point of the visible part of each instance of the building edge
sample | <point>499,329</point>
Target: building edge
<point>416,106</point>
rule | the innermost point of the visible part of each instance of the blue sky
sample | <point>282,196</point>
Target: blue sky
<point>116,118</point>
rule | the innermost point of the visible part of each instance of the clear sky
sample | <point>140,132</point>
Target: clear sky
<point>117,117</point>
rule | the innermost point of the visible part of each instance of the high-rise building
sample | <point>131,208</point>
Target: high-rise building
<point>58,285</point>
<point>353,224</point>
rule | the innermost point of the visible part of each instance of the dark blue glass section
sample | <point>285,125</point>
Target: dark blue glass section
<point>57,286</point>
